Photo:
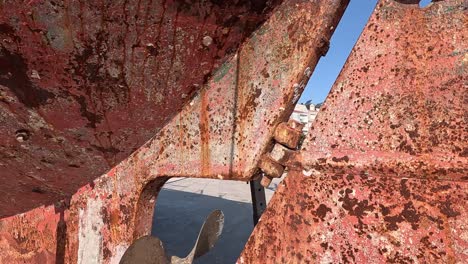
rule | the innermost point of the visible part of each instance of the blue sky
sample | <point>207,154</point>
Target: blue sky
<point>341,43</point>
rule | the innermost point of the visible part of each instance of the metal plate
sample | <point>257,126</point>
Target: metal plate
<point>382,175</point>
<point>83,84</point>
<point>221,133</point>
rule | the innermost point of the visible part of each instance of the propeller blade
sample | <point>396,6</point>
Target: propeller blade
<point>207,238</point>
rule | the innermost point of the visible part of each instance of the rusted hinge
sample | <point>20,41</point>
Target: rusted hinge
<point>287,136</point>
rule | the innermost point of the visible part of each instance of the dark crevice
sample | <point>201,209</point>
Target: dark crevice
<point>14,75</point>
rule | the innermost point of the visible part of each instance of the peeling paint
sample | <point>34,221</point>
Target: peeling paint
<point>90,232</point>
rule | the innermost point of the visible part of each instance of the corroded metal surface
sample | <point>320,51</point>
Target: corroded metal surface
<point>220,133</point>
<point>352,218</point>
<point>382,176</point>
<point>85,83</point>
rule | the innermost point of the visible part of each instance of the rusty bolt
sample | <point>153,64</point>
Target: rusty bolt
<point>324,47</point>
<point>266,181</point>
<point>307,72</point>
<point>225,31</point>
<point>281,154</point>
<point>270,166</point>
<point>35,75</point>
<point>295,125</point>
<point>22,135</point>
<point>207,41</point>
<point>288,136</point>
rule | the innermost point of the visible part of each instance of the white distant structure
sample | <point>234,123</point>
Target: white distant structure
<point>305,113</point>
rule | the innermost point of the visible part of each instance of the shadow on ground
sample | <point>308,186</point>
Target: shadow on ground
<point>179,216</point>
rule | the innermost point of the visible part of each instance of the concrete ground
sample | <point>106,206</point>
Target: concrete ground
<point>184,203</point>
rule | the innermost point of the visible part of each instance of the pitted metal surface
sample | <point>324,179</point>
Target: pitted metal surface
<point>382,175</point>
<point>83,84</point>
<point>354,218</point>
<point>221,133</point>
